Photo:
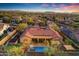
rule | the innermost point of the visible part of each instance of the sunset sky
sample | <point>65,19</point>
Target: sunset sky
<point>41,7</point>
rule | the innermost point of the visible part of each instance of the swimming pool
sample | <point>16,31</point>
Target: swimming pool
<point>39,48</point>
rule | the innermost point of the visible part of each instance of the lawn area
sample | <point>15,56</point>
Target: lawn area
<point>14,50</point>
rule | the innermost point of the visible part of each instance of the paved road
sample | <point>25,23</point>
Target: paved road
<point>4,40</point>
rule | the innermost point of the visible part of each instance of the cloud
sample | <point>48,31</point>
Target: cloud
<point>45,5</point>
<point>72,7</point>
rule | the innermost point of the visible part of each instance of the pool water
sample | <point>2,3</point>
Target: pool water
<point>39,48</point>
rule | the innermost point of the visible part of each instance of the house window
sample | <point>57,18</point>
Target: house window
<point>41,40</point>
<point>48,39</point>
<point>35,40</point>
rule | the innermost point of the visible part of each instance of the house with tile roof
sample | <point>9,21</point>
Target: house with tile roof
<point>36,36</point>
<point>3,27</point>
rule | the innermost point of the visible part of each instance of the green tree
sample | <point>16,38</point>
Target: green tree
<point>68,41</point>
<point>14,51</point>
<point>21,26</point>
<point>30,22</point>
<point>54,26</point>
<point>43,23</point>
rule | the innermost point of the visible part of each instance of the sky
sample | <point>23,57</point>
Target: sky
<point>41,7</point>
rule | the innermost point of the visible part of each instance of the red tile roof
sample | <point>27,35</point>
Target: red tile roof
<point>42,32</point>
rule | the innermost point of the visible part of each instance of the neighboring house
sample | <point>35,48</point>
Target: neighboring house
<point>24,20</point>
<point>3,27</point>
<point>14,22</point>
<point>17,17</point>
<point>67,31</point>
<point>72,34</point>
<point>37,36</point>
<point>76,34</point>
